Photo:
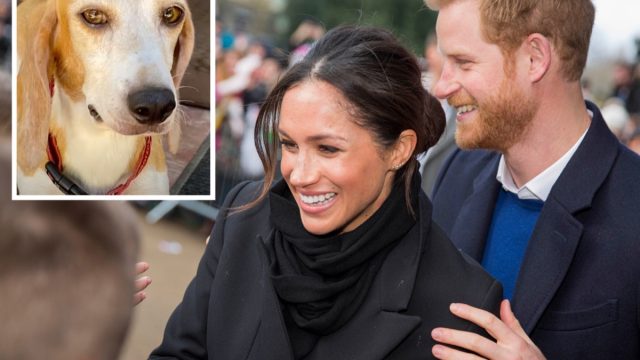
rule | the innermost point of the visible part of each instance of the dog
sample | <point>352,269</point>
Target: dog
<point>97,89</point>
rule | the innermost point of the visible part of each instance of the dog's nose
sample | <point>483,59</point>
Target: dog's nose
<point>151,106</point>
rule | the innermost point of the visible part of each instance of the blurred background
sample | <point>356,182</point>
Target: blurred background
<point>5,64</point>
<point>255,42</point>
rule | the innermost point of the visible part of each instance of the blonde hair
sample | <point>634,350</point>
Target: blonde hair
<point>507,23</point>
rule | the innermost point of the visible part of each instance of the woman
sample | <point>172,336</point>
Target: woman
<point>340,259</point>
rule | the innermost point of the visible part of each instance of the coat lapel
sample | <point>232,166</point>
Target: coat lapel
<point>244,284</point>
<point>272,339</point>
<point>557,232</point>
<point>380,326</point>
<point>247,321</point>
<point>472,224</point>
<point>546,262</point>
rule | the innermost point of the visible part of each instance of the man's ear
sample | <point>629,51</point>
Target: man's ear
<point>403,148</point>
<point>538,48</point>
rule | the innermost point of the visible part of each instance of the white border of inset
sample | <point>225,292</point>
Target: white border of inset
<point>14,125</point>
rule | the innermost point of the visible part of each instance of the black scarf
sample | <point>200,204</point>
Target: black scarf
<point>323,280</point>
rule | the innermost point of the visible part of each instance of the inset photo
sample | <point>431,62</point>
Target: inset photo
<point>112,98</point>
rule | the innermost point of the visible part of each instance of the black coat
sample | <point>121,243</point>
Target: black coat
<point>578,291</point>
<point>231,311</point>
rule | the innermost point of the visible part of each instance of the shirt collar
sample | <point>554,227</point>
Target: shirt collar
<point>540,186</point>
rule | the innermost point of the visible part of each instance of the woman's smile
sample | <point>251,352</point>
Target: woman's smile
<point>316,204</point>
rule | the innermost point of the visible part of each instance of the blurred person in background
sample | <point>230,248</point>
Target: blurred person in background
<point>633,99</point>
<point>224,37</point>
<point>66,276</point>
<point>263,80</point>
<point>587,93</point>
<point>626,86</point>
<point>5,118</point>
<point>634,141</point>
<point>617,118</point>
<point>542,193</point>
<point>229,107</point>
<point>5,34</point>
<point>432,160</point>
<point>302,39</point>
<point>249,61</point>
<point>5,67</point>
<point>238,79</point>
<point>239,75</point>
<point>340,258</point>
<point>225,69</point>
<point>622,75</point>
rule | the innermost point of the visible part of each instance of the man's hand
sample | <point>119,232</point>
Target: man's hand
<point>141,283</point>
<point>511,340</point>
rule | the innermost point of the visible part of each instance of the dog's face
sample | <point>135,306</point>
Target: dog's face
<point>119,55</point>
<point>119,63</point>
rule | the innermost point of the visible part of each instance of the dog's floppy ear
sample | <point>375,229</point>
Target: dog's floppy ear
<point>33,92</point>
<point>181,56</point>
<point>173,137</point>
<point>183,50</point>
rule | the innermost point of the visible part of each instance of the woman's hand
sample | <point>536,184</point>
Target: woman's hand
<point>141,283</point>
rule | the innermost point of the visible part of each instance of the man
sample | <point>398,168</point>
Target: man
<point>66,276</point>
<point>432,161</point>
<point>550,207</point>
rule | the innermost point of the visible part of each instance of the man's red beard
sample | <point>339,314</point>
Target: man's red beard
<point>501,120</point>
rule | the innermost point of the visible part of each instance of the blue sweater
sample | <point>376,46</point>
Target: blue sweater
<point>511,227</point>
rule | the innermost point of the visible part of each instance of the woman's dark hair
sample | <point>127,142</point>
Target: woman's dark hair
<point>380,79</point>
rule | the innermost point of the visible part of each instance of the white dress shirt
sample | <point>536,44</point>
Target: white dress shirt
<point>540,186</point>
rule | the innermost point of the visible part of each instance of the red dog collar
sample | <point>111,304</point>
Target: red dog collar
<point>54,168</point>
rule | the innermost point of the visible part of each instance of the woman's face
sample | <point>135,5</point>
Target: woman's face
<point>336,172</point>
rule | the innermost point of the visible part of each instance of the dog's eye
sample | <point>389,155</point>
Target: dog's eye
<point>94,17</point>
<point>172,15</point>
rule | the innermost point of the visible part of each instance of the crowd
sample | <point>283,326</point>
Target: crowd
<point>247,68</point>
<point>622,109</point>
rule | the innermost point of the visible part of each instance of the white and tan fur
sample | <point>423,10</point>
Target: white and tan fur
<point>99,68</point>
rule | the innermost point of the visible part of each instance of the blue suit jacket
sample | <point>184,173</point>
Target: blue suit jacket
<point>577,293</point>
